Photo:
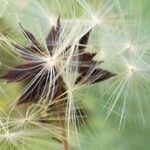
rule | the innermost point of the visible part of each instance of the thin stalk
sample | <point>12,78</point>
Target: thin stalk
<point>62,124</point>
<point>65,143</point>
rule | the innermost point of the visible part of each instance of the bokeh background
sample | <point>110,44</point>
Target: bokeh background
<point>117,110</point>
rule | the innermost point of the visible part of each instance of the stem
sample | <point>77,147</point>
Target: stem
<point>64,135</point>
<point>62,125</point>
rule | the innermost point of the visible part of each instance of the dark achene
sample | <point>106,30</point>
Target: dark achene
<point>28,71</point>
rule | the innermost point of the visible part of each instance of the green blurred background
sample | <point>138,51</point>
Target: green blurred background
<point>100,134</point>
